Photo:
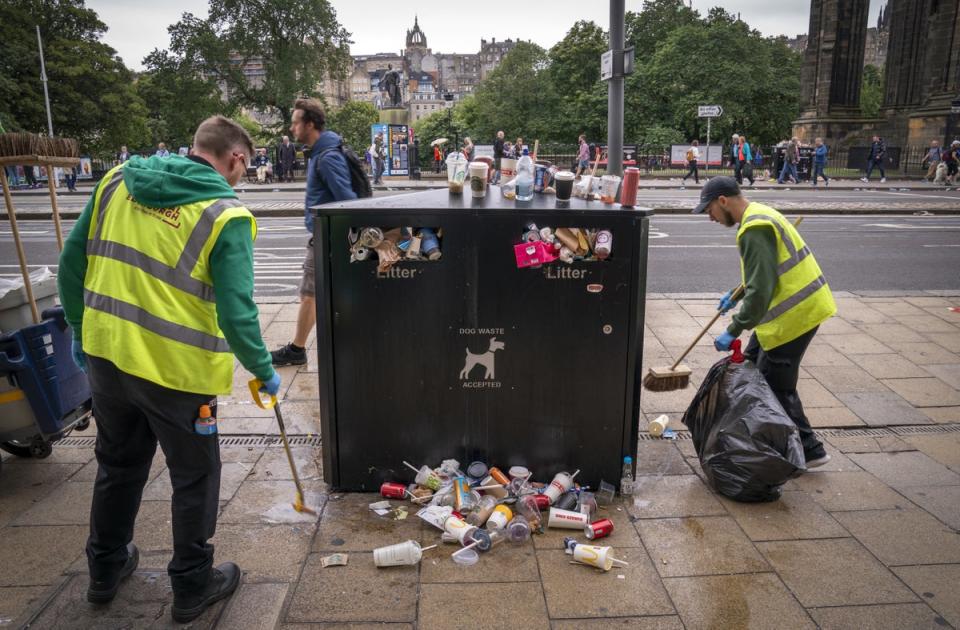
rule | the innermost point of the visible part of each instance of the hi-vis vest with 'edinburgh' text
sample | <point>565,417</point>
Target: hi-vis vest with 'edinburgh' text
<point>802,299</point>
<point>148,292</point>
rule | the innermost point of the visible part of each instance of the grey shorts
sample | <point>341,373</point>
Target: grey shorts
<point>308,281</point>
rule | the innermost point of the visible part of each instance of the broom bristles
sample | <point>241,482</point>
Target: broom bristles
<point>666,379</point>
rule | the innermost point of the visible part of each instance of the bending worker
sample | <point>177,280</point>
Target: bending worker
<point>786,297</point>
<point>156,279</point>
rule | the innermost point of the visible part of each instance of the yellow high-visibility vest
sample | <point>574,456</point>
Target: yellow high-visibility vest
<point>802,299</point>
<point>148,292</point>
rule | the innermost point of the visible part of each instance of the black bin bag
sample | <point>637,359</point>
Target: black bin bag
<point>748,446</point>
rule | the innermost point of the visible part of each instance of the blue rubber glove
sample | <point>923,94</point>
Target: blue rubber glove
<point>272,385</point>
<point>722,343</point>
<point>726,303</point>
<point>79,356</point>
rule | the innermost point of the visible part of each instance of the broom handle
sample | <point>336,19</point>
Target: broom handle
<point>286,447</point>
<point>735,295</point>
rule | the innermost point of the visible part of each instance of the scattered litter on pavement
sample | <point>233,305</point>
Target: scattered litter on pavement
<point>335,560</point>
<point>286,513</point>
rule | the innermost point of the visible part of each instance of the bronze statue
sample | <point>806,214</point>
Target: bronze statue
<point>390,83</point>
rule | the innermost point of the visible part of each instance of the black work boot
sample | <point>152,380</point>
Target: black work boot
<point>289,355</point>
<point>103,591</point>
<point>188,605</point>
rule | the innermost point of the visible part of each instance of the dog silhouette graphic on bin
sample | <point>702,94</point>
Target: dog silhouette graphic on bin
<point>485,359</point>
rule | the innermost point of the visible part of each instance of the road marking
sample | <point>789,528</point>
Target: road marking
<point>941,245</point>
<point>25,232</point>
<point>904,226</point>
<point>925,196</point>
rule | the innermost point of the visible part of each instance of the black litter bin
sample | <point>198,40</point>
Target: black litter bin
<point>470,357</point>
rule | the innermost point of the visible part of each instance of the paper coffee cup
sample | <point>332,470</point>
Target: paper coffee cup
<point>500,517</point>
<point>567,519</point>
<point>595,556</point>
<point>402,554</point>
<point>658,425</point>
<point>478,179</point>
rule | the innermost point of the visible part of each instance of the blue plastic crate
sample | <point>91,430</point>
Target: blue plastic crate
<point>38,357</point>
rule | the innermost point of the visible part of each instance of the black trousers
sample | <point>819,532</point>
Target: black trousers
<point>781,367</point>
<point>132,415</point>
<point>693,171</point>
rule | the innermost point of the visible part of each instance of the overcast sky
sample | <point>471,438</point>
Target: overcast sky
<point>137,27</point>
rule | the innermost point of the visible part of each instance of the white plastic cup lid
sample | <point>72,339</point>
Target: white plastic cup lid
<point>467,557</point>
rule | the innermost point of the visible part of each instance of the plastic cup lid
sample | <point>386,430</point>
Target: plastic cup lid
<point>467,557</point>
<point>518,471</point>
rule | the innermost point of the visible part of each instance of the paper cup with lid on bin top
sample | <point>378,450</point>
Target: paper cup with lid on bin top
<point>567,519</point>
<point>456,172</point>
<point>478,179</point>
<point>561,483</point>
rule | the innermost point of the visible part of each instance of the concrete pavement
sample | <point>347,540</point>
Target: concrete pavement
<point>868,541</point>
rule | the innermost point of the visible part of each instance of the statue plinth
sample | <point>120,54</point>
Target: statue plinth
<point>394,115</point>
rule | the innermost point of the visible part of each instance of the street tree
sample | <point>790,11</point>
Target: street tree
<point>177,98</point>
<point>871,91</point>
<point>298,44</point>
<point>575,73</point>
<point>92,94</point>
<point>352,122</point>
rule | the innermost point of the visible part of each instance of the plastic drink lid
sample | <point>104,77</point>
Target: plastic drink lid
<point>205,411</point>
<point>518,472</point>
<point>627,460</point>
<point>467,557</point>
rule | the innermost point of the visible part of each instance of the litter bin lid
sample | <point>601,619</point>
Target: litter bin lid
<point>440,201</point>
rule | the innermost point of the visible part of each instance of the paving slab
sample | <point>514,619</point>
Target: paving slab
<point>949,373</point>
<point>900,537</point>
<point>669,622</point>
<point>580,591</point>
<point>948,340</point>
<point>824,354</point>
<point>15,601</point>
<point>356,592</point>
<point>254,607</point>
<point>143,601</point>
<point>841,491</point>
<point>832,418</point>
<point>274,465</point>
<point>943,502</point>
<point>244,454</point>
<point>846,379</point>
<point>26,484</point>
<point>736,601</point>
<point>259,501</point>
<point>265,552</point>
<point>232,474</point>
<point>883,617</point>
<point>925,353</point>
<point>943,415</point>
<point>794,516</point>
<point>886,365</point>
<point>893,332</point>
<point>901,470</point>
<point>882,408</point>
<point>660,457</point>
<point>813,394</point>
<point>68,504</point>
<point>701,545</point>
<point>835,572</point>
<point>868,444</point>
<point>838,461</point>
<point>673,496</point>
<point>508,562</point>
<point>36,556</point>
<point>925,323</point>
<point>348,524</point>
<point>944,447</point>
<point>515,604</point>
<point>153,530</point>
<point>939,586</point>
<point>856,343</point>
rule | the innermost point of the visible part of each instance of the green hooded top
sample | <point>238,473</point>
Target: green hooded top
<point>173,181</point>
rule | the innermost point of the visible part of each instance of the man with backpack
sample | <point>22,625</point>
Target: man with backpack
<point>379,155</point>
<point>333,174</point>
<point>693,154</point>
<point>878,152</point>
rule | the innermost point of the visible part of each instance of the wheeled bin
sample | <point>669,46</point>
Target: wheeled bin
<point>470,357</point>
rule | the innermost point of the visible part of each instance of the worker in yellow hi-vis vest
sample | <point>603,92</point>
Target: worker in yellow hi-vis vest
<point>156,279</point>
<point>786,297</point>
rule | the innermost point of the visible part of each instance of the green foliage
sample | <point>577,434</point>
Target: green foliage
<point>299,43</point>
<point>871,91</point>
<point>177,99</point>
<point>439,124</point>
<point>575,73</point>
<point>352,121</point>
<point>92,96</point>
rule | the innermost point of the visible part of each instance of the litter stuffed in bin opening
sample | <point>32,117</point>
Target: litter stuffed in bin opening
<point>483,508</point>
<point>391,245</point>
<point>748,446</point>
<point>566,244</point>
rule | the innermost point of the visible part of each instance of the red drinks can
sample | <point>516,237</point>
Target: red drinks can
<point>543,501</point>
<point>628,189</point>
<point>393,490</point>
<point>599,529</point>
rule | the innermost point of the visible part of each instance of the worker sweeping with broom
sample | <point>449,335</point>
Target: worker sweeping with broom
<point>785,297</point>
<point>156,279</point>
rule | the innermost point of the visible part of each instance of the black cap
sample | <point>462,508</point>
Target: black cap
<point>716,186</point>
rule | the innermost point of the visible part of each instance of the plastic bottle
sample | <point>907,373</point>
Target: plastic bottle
<point>518,529</point>
<point>525,174</point>
<point>626,478</point>
<point>205,424</point>
<point>483,511</point>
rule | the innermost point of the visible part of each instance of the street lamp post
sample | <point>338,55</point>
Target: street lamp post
<point>615,91</point>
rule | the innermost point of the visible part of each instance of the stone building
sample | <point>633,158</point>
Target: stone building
<point>922,72</point>
<point>430,81</point>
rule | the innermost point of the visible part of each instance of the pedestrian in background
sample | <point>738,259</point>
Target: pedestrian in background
<point>437,158</point>
<point>123,156</point>
<point>952,159</point>
<point>820,162</point>
<point>791,157</point>
<point>328,180</point>
<point>497,156</point>
<point>287,157</point>
<point>693,154</point>
<point>70,175</point>
<point>262,164</point>
<point>933,158</point>
<point>734,162</point>
<point>379,155</point>
<point>162,150</point>
<point>583,156</point>
<point>745,160</point>
<point>159,309</point>
<point>878,151</point>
